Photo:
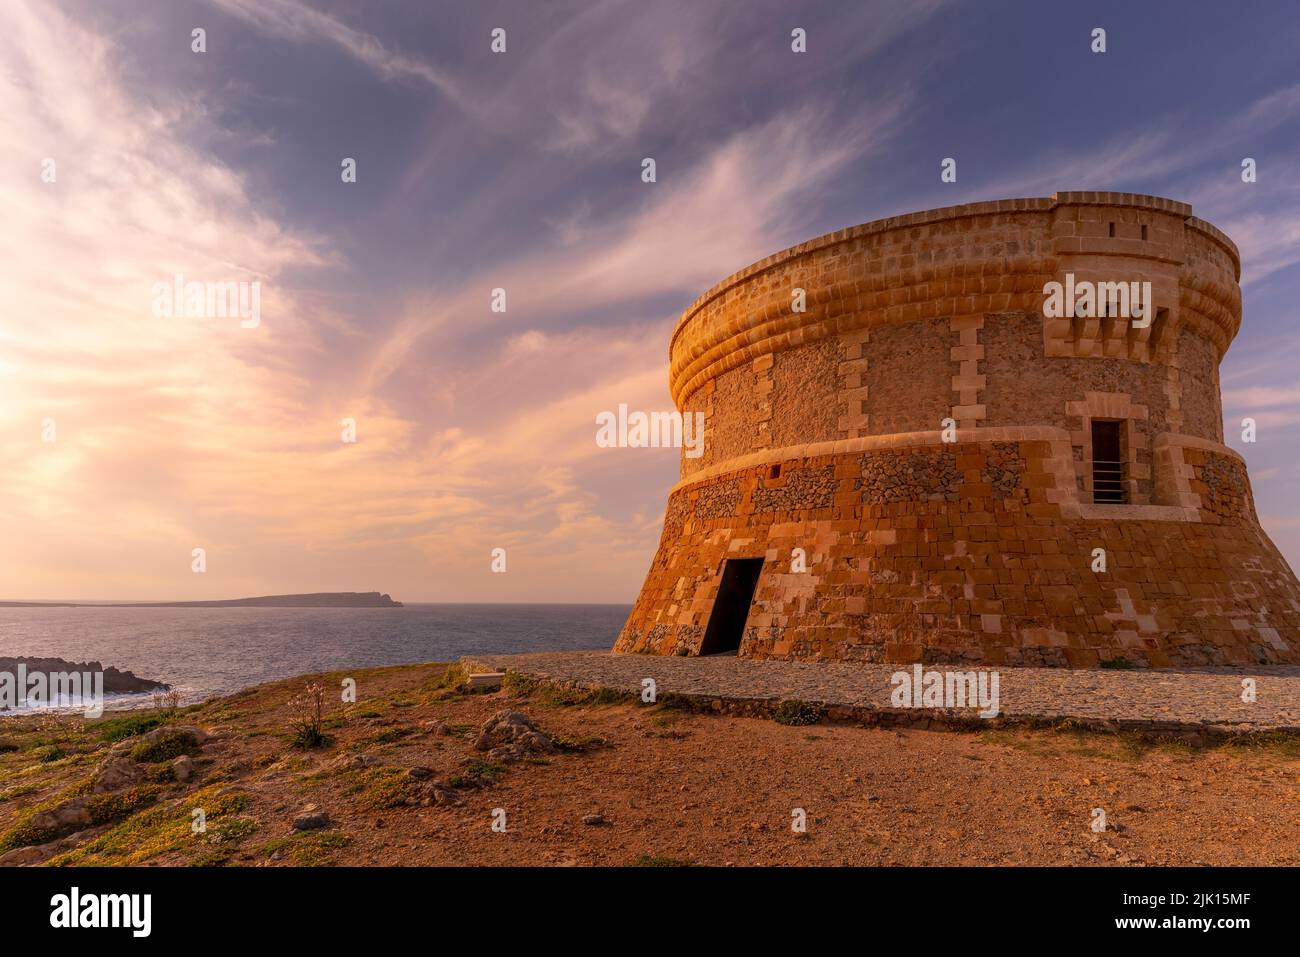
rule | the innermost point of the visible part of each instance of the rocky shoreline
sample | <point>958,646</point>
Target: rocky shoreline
<point>116,681</point>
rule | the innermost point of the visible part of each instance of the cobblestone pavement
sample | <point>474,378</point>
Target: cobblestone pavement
<point>1201,698</point>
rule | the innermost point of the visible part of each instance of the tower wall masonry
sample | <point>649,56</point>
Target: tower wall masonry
<point>824,431</point>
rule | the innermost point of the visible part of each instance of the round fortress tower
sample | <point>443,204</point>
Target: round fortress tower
<point>933,462</point>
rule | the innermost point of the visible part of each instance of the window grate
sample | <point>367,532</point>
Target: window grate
<point>1108,485</point>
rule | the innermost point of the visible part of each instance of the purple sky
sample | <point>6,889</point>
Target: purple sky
<point>522,171</point>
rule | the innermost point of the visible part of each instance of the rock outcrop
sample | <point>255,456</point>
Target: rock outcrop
<point>510,735</point>
<point>115,680</point>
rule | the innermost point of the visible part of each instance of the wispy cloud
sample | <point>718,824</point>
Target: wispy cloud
<point>744,198</point>
<point>475,430</point>
<point>300,22</point>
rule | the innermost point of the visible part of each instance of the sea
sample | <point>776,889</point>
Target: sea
<point>203,652</point>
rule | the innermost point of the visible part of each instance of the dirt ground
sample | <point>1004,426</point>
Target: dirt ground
<point>670,786</point>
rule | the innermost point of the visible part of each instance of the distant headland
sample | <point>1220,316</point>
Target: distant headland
<point>322,599</point>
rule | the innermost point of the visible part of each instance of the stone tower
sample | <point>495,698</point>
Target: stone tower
<point>930,464</point>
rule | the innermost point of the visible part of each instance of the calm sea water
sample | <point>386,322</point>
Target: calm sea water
<point>207,651</point>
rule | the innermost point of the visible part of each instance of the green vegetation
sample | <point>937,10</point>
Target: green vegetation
<point>130,725</point>
<point>454,679</point>
<point>560,696</point>
<point>1281,744</point>
<point>477,773</point>
<point>157,830</point>
<point>557,695</point>
<point>232,831</point>
<point>387,736</point>
<point>656,860</point>
<point>579,744</point>
<point>107,808</point>
<point>795,712</point>
<point>307,849</point>
<point>102,809</point>
<point>672,701</point>
<point>519,684</point>
<point>379,788</point>
<point>168,745</point>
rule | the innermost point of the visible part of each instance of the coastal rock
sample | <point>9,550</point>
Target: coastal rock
<point>71,813</point>
<point>444,794</point>
<point>20,856</point>
<point>310,818</point>
<point>115,680</point>
<point>510,735</point>
<point>121,768</point>
<point>170,731</point>
<point>117,772</point>
<point>353,762</point>
<point>593,820</point>
<point>40,853</point>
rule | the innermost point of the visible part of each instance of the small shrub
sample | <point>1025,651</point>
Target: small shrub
<point>455,678</point>
<point>308,849</point>
<point>565,697</point>
<point>477,773</point>
<point>1284,744</point>
<point>107,808</point>
<point>167,701</point>
<point>388,736</point>
<point>796,712</point>
<point>308,724</point>
<point>169,745</point>
<point>232,830</point>
<point>1121,663</point>
<point>113,730</point>
<point>213,858</point>
<point>160,773</point>
<point>380,788</point>
<point>519,684</point>
<point>52,754</point>
<point>656,860</point>
<point>24,833</point>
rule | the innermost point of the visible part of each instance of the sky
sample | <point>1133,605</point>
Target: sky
<point>129,439</point>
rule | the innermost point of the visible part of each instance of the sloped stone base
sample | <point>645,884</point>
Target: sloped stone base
<point>974,551</point>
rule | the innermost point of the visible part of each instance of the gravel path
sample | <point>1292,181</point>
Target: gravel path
<point>1164,699</point>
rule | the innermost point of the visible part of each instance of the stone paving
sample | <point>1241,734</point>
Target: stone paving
<point>1184,700</point>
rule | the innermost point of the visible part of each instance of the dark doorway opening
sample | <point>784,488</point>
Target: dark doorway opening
<point>731,607</point>
<point>1108,486</point>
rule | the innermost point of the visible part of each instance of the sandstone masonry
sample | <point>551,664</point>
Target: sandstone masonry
<point>824,433</point>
